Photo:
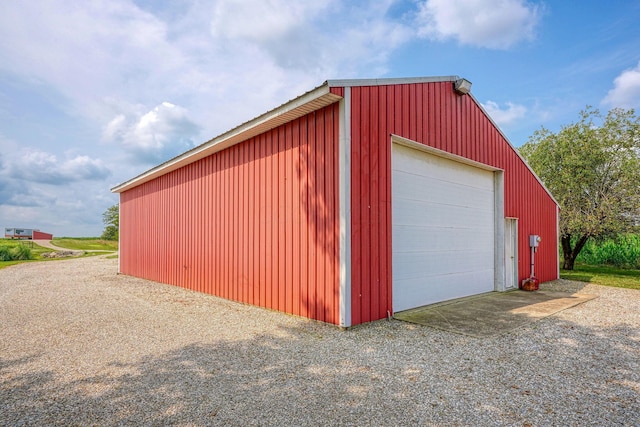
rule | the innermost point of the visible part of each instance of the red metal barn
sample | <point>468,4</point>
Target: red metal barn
<point>352,201</point>
<point>40,235</point>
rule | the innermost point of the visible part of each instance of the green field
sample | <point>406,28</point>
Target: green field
<point>85,244</point>
<point>35,251</point>
<point>8,245</point>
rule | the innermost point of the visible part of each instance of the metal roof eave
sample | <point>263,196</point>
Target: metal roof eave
<point>390,81</point>
<point>311,101</point>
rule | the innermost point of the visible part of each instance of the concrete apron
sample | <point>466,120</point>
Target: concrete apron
<point>493,313</point>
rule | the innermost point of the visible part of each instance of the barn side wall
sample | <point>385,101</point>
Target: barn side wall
<point>255,223</point>
<point>434,115</point>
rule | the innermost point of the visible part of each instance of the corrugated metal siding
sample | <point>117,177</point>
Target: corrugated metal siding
<point>39,235</point>
<point>255,223</point>
<point>432,114</point>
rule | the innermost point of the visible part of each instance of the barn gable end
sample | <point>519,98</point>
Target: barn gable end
<point>433,114</point>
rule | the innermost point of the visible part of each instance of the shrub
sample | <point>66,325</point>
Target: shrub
<point>20,252</point>
<point>15,253</point>
<point>4,254</point>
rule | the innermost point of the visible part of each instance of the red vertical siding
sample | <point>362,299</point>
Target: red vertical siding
<point>39,235</point>
<point>432,114</point>
<point>255,223</point>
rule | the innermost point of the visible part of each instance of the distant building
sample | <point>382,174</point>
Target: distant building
<point>26,233</point>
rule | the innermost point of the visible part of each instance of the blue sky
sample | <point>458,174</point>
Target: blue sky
<point>93,93</point>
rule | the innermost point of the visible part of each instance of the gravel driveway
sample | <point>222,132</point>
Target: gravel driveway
<point>81,345</point>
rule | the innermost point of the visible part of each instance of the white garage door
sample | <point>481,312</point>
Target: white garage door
<point>443,228</point>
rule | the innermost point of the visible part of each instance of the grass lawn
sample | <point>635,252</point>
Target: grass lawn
<point>85,244</point>
<point>604,275</point>
<point>4,264</point>
<point>36,251</point>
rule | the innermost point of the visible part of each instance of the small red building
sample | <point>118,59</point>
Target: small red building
<point>358,199</point>
<point>26,233</point>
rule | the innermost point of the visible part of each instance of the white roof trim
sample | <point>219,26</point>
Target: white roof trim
<point>311,101</point>
<point>390,81</point>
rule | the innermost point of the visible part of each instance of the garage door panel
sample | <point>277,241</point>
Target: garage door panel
<point>443,228</point>
<point>421,292</point>
<point>441,239</point>
<point>428,264</point>
<point>471,183</point>
<point>440,215</point>
<point>471,194</point>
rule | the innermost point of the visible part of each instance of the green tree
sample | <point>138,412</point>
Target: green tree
<point>592,167</point>
<point>111,219</point>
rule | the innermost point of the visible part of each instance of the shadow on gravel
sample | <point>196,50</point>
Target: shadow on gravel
<point>398,374</point>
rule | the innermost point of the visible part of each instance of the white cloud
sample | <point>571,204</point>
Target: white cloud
<point>484,23</point>
<point>260,20</point>
<point>154,136</point>
<point>86,50</point>
<point>84,167</point>
<point>38,166</point>
<point>504,116</point>
<point>626,90</point>
<point>294,36</point>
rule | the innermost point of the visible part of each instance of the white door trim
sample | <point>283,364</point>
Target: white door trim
<point>498,241</point>
<point>396,139</point>
<point>511,253</point>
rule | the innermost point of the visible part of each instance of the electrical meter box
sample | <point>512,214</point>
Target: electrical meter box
<point>534,240</point>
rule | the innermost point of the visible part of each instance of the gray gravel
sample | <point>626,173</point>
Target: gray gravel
<point>82,345</point>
